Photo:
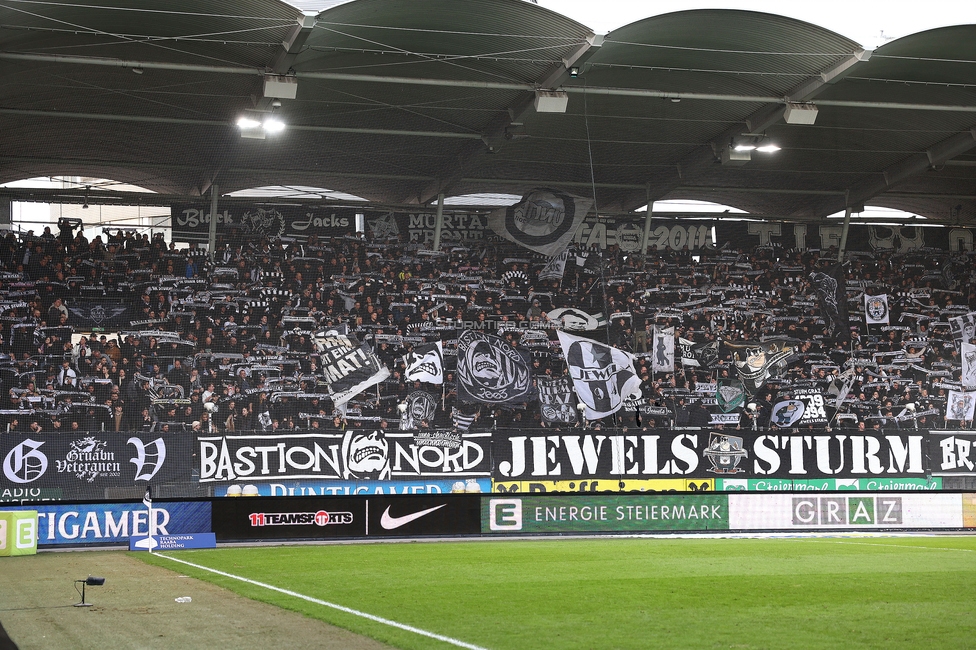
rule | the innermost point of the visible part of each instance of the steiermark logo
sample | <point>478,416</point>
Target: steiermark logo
<point>505,514</point>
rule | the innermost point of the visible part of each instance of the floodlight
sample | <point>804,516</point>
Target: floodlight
<point>248,123</point>
<point>89,581</point>
<point>273,125</point>
<point>768,148</point>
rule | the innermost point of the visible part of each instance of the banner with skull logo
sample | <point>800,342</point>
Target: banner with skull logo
<point>491,371</point>
<point>366,455</point>
<point>420,406</point>
<point>602,375</point>
<point>425,363</point>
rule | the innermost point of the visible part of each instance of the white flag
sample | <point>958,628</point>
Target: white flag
<point>425,363</point>
<point>602,375</point>
<point>960,405</point>
<point>876,309</point>
<point>555,268</point>
<point>662,349</point>
<point>968,365</point>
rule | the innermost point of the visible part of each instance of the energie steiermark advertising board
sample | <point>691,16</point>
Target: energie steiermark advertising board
<point>630,513</point>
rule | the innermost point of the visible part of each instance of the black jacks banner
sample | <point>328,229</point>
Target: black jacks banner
<point>191,221</point>
<point>660,454</point>
<point>860,237</point>
<point>350,456</point>
<point>75,464</point>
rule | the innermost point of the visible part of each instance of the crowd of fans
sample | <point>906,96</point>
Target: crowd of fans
<point>229,345</point>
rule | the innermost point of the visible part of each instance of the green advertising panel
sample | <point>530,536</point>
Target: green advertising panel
<point>827,484</point>
<point>624,513</point>
<point>18,533</point>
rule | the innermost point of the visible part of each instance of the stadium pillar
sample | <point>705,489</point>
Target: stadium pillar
<point>440,221</point>
<point>843,234</point>
<point>212,238</point>
<point>647,228</point>
<point>5,213</point>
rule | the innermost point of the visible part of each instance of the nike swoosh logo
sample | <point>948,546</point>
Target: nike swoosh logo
<point>390,523</point>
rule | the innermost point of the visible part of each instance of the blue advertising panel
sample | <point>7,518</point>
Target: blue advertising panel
<point>108,523</point>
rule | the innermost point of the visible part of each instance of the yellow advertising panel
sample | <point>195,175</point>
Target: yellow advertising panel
<point>969,510</point>
<point>605,485</point>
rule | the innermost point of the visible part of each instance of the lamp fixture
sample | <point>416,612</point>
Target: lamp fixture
<point>749,142</point>
<point>257,124</point>
<point>90,581</point>
<point>573,72</point>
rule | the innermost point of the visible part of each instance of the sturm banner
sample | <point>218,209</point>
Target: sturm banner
<point>354,455</point>
<point>592,455</point>
<point>77,463</point>
<point>191,221</point>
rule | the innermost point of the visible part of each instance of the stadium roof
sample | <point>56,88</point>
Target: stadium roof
<point>398,102</point>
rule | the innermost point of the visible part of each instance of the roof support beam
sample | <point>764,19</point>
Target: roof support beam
<point>463,83</point>
<point>507,126</point>
<point>694,163</point>
<point>905,169</point>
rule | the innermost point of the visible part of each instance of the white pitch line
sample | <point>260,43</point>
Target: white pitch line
<point>317,601</point>
<point>921,548</point>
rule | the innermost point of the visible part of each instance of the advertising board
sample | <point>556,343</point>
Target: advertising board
<point>845,511</point>
<point>606,485</point>
<point>624,513</point>
<point>74,464</point>
<point>827,484</point>
<point>104,523</point>
<point>358,488</point>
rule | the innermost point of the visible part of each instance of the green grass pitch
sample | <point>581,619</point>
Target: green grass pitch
<point>849,592</point>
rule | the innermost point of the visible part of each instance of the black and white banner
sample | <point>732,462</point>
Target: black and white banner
<point>419,407</point>
<point>729,395</point>
<point>191,221</point>
<point>576,320</point>
<point>698,355</point>
<point>555,267</point>
<point>349,367</point>
<point>803,406</point>
<point>491,371</point>
<point>865,238</point>
<point>968,365</point>
<point>543,221</point>
<point>757,361</point>
<point>602,375</point>
<point>963,327</point>
<point>106,459</point>
<point>425,363</point>
<point>952,452</point>
<point>960,405</point>
<point>831,290</point>
<point>876,310</point>
<point>354,455</point>
<point>662,349</point>
<point>556,400</point>
<point>105,314</point>
<point>661,453</point>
